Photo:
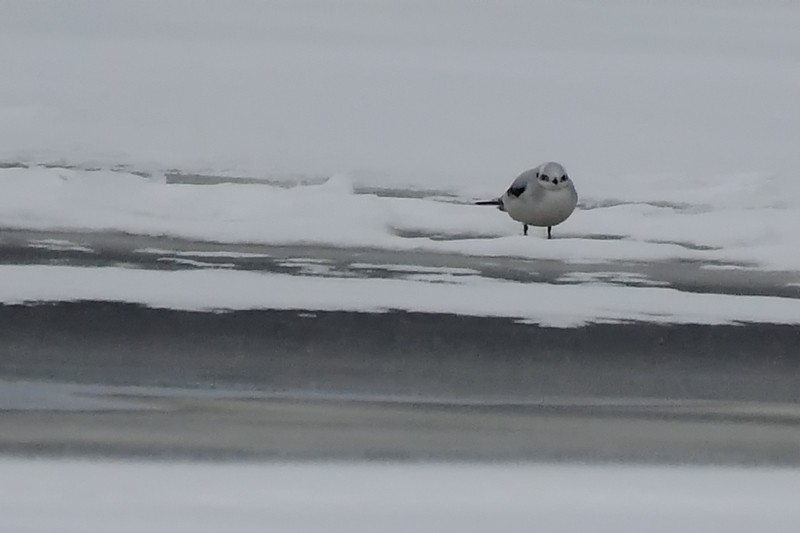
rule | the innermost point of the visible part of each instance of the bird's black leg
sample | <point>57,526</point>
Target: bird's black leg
<point>524,229</point>
<point>549,232</point>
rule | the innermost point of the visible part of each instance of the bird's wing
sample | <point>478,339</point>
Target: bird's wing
<point>521,183</point>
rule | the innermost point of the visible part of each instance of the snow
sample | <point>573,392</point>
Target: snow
<point>202,253</point>
<point>676,120</point>
<point>416,269</point>
<point>547,304</point>
<point>749,221</point>
<point>628,278</point>
<point>60,245</point>
<point>199,497</point>
<point>193,263</point>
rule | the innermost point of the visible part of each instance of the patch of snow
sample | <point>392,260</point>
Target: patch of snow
<point>332,215</point>
<point>201,253</point>
<point>416,269</point>
<point>712,266</point>
<point>626,278</point>
<point>311,266</point>
<point>291,261</point>
<point>194,263</point>
<point>59,245</point>
<point>547,304</point>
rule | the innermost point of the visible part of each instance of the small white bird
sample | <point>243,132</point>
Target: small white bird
<point>543,196</point>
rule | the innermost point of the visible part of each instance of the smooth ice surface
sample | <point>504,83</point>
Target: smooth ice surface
<point>548,304</point>
<point>28,395</point>
<point>95,496</point>
<point>746,219</point>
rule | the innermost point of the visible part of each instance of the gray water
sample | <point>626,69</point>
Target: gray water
<point>412,386</point>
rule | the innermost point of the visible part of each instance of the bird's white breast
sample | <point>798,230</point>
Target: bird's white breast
<point>542,207</point>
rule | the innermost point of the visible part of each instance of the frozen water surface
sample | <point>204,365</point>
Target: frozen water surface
<point>88,496</point>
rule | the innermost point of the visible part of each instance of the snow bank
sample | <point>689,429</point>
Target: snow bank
<point>98,496</point>
<point>682,137</point>
<point>747,219</point>
<point>551,305</point>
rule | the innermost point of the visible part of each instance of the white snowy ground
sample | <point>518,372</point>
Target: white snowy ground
<point>677,120</point>
<point>541,303</point>
<point>64,496</point>
<point>746,219</point>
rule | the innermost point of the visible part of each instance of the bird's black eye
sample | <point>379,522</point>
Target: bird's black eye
<point>564,177</point>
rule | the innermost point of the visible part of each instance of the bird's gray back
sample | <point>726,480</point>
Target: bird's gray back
<point>527,180</point>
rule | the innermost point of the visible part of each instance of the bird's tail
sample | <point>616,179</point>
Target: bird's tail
<point>497,202</point>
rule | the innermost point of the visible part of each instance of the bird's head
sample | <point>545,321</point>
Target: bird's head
<point>552,176</point>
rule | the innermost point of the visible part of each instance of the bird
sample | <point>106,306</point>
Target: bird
<point>543,196</point>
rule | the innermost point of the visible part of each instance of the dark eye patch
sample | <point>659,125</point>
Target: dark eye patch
<point>564,177</point>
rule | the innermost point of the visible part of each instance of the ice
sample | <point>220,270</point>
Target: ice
<point>40,396</point>
<point>199,497</point>
<point>548,304</point>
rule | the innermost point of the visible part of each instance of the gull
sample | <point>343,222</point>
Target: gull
<point>543,196</point>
